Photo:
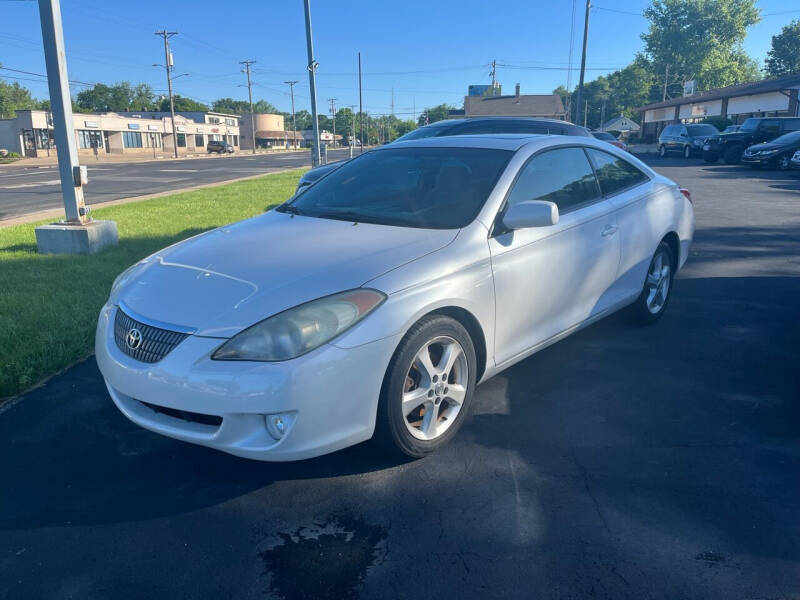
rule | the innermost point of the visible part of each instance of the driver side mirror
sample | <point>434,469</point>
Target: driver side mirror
<point>532,213</point>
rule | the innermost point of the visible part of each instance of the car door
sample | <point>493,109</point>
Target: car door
<point>642,214</point>
<point>681,139</point>
<point>548,279</point>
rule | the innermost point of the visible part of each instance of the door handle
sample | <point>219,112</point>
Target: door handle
<point>609,230</point>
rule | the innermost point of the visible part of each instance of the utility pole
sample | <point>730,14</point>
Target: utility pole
<point>492,73</point>
<point>583,59</point>
<point>585,111</point>
<point>291,85</point>
<point>247,64</point>
<point>602,116</point>
<point>353,128</point>
<point>666,77</point>
<point>333,118</point>
<point>312,84</point>
<point>168,66</point>
<point>392,100</point>
<point>360,107</point>
<point>61,107</point>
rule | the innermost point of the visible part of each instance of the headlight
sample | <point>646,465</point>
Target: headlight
<point>698,142</point>
<point>299,330</point>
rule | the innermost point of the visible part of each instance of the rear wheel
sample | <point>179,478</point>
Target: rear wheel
<point>653,300</point>
<point>732,155</point>
<point>428,387</point>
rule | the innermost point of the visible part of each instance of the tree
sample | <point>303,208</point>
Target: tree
<point>700,40</point>
<point>181,104</point>
<point>436,113</point>
<point>240,107</point>
<point>121,96</point>
<point>784,56</point>
<point>14,97</point>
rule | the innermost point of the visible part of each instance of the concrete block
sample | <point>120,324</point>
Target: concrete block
<point>60,238</point>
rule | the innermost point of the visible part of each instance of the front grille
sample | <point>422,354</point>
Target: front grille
<point>185,415</point>
<point>153,343</point>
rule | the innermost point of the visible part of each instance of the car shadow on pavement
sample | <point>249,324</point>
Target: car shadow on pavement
<point>658,447</point>
<point>69,457</point>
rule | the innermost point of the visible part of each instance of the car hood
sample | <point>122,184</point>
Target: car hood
<point>769,146</point>
<point>229,278</point>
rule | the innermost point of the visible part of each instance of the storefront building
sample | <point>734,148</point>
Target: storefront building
<point>30,133</point>
<point>768,98</point>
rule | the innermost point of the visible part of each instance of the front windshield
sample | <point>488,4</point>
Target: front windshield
<point>603,135</point>
<point>749,125</point>
<point>695,130</point>
<point>788,138</point>
<point>433,188</point>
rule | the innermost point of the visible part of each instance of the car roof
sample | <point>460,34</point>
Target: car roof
<point>497,141</point>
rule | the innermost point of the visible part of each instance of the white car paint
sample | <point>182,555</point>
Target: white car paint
<point>524,289</point>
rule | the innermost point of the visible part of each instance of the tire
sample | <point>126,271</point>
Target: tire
<point>710,158</point>
<point>662,150</point>
<point>653,300</point>
<point>406,431</point>
<point>687,152</point>
<point>756,166</point>
<point>732,155</point>
<point>782,162</point>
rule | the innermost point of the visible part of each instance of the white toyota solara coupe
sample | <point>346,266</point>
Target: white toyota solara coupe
<point>372,303</point>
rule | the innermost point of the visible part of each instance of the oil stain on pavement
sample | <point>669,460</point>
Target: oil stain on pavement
<point>324,560</point>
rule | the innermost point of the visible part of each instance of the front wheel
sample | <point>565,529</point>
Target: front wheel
<point>662,150</point>
<point>710,157</point>
<point>653,300</point>
<point>687,152</point>
<point>428,387</point>
<point>782,162</point>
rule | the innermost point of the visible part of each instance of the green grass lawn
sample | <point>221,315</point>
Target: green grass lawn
<point>49,303</point>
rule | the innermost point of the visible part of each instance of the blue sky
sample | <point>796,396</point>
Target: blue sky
<point>428,51</point>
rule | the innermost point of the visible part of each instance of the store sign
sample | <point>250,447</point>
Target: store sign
<point>152,128</point>
<point>215,129</point>
<point>133,126</point>
<point>179,128</point>
<point>199,130</point>
<point>91,124</point>
<point>698,110</point>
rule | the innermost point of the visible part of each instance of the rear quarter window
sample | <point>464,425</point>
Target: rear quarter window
<point>615,174</point>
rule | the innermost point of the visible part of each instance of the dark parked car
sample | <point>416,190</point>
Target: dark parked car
<point>731,129</point>
<point>686,140</point>
<point>219,147</point>
<point>470,126</point>
<point>776,154</point>
<point>607,137</point>
<point>731,146</point>
<point>795,160</point>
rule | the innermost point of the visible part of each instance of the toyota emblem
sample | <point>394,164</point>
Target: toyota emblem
<point>133,339</point>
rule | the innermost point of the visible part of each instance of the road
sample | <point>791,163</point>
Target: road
<point>25,190</point>
<point>623,462</point>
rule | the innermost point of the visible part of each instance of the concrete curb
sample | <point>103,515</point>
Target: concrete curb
<point>52,213</point>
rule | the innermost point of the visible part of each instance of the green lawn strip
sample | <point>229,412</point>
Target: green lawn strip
<point>49,303</point>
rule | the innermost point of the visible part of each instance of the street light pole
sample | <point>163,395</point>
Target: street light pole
<point>312,84</point>
<point>291,85</point>
<point>168,68</point>
<point>333,118</point>
<point>360,107</point>
<point>61,107</point>
<point>247,64</point>
<point>579,99</point>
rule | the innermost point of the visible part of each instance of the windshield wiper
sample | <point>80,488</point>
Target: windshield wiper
<point>290,209</point>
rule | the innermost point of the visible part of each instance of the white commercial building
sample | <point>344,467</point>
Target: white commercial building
<point>30,133</point>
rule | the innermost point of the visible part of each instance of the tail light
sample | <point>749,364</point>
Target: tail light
<point>687,194</point>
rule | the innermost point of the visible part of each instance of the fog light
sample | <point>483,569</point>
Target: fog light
<point>279,423</point>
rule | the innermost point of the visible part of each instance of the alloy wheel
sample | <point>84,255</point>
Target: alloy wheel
<point>435,388</point>
<point>662,151</point>
<point>658,282</point>
<point>687,152</point>
<point>783,162</point>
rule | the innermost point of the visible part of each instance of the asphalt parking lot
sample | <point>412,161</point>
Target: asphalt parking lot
<point>623,462</point>
<point>25,190</point>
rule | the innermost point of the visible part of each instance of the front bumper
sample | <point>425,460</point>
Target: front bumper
<point>757,160</point>
<point>331,395</point>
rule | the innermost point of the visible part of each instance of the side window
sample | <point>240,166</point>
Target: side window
<point>683,132</point>
<point>615,173</point>
<point>474,128</point>
<point>791,125</point>
<point>770,126</point>
<point>563,176</point>
<point>670,130</point>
